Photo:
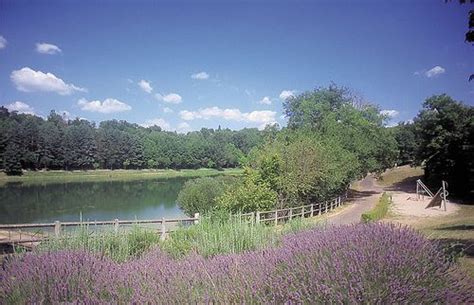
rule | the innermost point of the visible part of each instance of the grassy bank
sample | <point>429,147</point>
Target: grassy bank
<point>379,211</point>
<point>401,174</point>
<point>42,177</point>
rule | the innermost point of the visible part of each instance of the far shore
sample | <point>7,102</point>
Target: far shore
<point>61,176</point>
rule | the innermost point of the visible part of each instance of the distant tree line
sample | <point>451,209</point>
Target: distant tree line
<point>31,142</point>
<point>441,139</point>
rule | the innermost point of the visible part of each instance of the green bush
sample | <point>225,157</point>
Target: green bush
<point>200,195</point>
<point>379,211</point>
<point>253,194</point>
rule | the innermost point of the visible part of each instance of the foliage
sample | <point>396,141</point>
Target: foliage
<point>334,114</point>
<point>200,195</point>
<point>119,246</point>
<point>373,263</point>
<point>58,143</point>
<point>445,129</point>
<point>406,136</point>
<point>252,194</point>
<point>379,211</point>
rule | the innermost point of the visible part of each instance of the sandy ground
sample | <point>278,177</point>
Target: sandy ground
<point>406,207</point>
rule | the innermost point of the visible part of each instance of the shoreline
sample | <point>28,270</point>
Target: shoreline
<point>103,175</point>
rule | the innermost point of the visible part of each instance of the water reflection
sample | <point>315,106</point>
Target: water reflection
<point>147,199</point>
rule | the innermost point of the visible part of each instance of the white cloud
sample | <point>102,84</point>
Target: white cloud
<point>262,117</point>
<point>109,105</point>
<point>265,100</point>
<point>29,80</point>
<point>183,127</point>
<point>171,98</point>
<point>157,122</point>
<point>435,71</point>
<point>390,113</point>
<point>200,76</point>
<point>145,86</point>
<point>20,107</point>
<point>3,42</point>
<point>47,48</point>
<point>285,94</point>
<point>167,110</point>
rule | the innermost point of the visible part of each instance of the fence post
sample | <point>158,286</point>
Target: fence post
<point>302,212</point>
<point>291,213</point>
<point>57,228</point>
<point>257,217</point>
<point>319,209</point>
<point>276,217</point>
<point>312,210</point>
<point>163,228</point>
<point>325,206</point>
<point>116,225</point>
<point>196,220</point>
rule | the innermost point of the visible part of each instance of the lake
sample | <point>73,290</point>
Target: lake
<point>124,200</point>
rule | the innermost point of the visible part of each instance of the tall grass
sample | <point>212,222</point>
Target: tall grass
<point>222,235</point>
<point>119,246</point>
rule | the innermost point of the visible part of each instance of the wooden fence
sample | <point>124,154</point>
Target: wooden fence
<point>13,234</point>
<point>24,233</point>
<point>282,215</point>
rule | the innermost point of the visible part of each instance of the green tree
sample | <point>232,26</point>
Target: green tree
<point>445,130</point>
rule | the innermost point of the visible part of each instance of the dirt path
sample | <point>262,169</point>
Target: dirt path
<point>359,203</point>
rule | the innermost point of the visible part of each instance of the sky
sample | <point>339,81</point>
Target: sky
<point>183,65</point>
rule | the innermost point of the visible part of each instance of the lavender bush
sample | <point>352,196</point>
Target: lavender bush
<point>372,263</point>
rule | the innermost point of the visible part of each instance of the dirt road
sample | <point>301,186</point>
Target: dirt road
<point>359,203</point>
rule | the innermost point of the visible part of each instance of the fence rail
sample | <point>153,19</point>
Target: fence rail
<point>12,233</point>
<point>281,215</point>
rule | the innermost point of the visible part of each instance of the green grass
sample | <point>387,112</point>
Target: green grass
<point>400,174</point>
<point>379,211</point>
<point>43,177</point>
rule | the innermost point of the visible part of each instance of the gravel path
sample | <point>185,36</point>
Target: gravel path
<point>359,203</point>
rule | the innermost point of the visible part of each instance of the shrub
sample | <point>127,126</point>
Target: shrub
<point>379,211</point>
<point>251,195</point>
<point>200,195</point>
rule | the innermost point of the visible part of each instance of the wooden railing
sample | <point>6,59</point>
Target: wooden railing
<point>12,233</point>
<point>281,215</point>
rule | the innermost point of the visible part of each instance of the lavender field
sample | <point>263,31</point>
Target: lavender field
<point>372,263</point>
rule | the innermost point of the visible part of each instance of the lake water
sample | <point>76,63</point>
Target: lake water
<point>147,199</point>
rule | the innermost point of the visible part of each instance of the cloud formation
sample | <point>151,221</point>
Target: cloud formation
<point>262,117</point>
<point>145,86</point>
<point>20,107</point>
<point>157,122</point>
<point>3,42</point>
<point>265,101</point>
<point>285,94</point>
<point>167,110</point>
<point>109,105</point>
<point>200,76</point>
<point>435,71</point>
<point>47,48</point>
<point>171,98</point>
<point>29,80</point>
<point>389,113</point>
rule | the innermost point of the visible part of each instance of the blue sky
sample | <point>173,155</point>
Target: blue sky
<point>186,65</point>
